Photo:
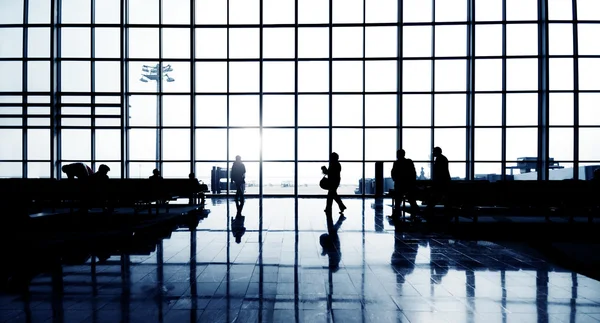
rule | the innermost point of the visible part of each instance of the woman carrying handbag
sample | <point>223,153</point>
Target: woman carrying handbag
<point>333,181</point>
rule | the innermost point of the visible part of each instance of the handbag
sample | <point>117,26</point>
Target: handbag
<point>324,183</point>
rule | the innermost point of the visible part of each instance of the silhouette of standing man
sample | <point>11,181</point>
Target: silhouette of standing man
<point>440,177</point>
<point>405,180</point>
<point>334,174</point>
<point>238,176</point>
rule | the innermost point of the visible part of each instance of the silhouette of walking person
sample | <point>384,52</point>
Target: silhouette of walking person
<point>405,184</point>
<point>440,178</point>
<point>237,227</point>
<point>238,176</point>
<point>334,174</point>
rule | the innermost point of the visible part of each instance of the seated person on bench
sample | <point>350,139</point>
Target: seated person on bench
<point>102,173</point>
<point>79,170</point>
<point>155,174</point>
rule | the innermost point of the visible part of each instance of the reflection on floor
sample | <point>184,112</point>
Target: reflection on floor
<point>363,272</point>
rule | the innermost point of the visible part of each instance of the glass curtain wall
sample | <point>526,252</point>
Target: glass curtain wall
<point>186,85</point>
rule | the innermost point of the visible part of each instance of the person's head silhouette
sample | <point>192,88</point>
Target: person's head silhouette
<point>334,156</point>
<point>400,154</point>
<point>437,151</point>
<point>238,158</point>
<point>103,169</point>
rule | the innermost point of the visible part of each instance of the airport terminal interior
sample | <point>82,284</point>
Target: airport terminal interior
<point>124,124</point>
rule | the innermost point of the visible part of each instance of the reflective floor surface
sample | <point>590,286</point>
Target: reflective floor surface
<point>270,265</point>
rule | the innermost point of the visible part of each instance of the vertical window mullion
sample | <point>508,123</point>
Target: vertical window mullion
<point>575,93</point>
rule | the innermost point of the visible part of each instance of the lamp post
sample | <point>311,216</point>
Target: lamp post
<point>151,73</point>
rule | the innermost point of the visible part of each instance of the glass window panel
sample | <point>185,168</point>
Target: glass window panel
<point>416,41</point>
<point>381,11</point>
<point>351,173</point>
<point>380,144</point>
<point>381,76</point>
<point>589,111</point>
<point>417,143</point>
<point>488,10</point>
<point>178,80</point>
<point>244,76</point>
<point>313,11</point>
<point>15,81</point>
<point>521,39</point>
<point>141,170</point>
<point>11,145</point>
<point>76,122</point>
<point>11,122</point>
<point>381,110</point>
<point>488,40</point>
<point>521,109</point>
<point>38,170</point>
<point>450,40</point>
<point>521,142</point>
<point>450,110</point>
<point>143,12</point>
<point>561,143</point>
<point>75,76</point>
<point>279,11</point>
<point>278,144</point>
<point>38,76</point>
<point>589,69</point>
<point>309,175</point>
<point>176,43</point>
<point>484,169</point>
<point>416,110</point>
<point>347,11</point>
<point>347,76</point>
<point>211,144</point>
<point>244,111</point>
<point>10,110</point>
<point>107,12</point>
<point>142,76</point>
<point>381,42</point>
<point>112,122</point>
<point>488,75</point>
<point>457,171</point>
<point>278,43</point>
<point>416,76</point>
<point>488,144</point>
<point>75,11</point>
<point>451,10</point>
<point>348,143</point>
<point>108,144</point>
<point>176,110</point>
<point>211,43</point>
<point>417,11</point>
<point>39,11</point>
<point>313,144</point>
<point>211,76</point>
<point>143,42</point>
<point>244,142</point>
<point>587,35</point>
<point>521,74</point>
<point>313,76</point>
<point>176,144</point>
<point>142,145</point>
<point>278,178</point>
<point>313,42</point>
<point>12,39</point>
<point>588,144</point>
<point>347,42</point>
<point>176,12</point>
<point>75,42</point>
<point>38,42</point>
<point>211,110</point>
<point>244,11</point>
<point>521,10</point>
<point>452,142</point>
<point>450,75</point>
<point>244,43</point>
<point>560,39</point>
<point>12,12</point>
<point>588,10</point>
<point>75,110</point>
<point>108,76</point>
<point>313,110</point>
<point>278,110</point>
<point>347,110</point>
<point>203,173</point>
<point>561,74</point>
<point>142,110</point>
<point>211,12</point>
<point>45,122</point>
<point>107,43</point>
<point>488,110</point>
<point>278,77</point>
<point>11,170</point>
<point>76,144</point>
<point>560,9</point>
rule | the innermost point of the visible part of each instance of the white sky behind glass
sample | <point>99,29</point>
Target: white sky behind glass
<point>313,76</point>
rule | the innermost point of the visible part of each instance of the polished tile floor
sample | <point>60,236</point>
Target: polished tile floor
<point>272,266</point>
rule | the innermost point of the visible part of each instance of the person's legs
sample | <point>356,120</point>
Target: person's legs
<point>242,188</point>
<point>237,195</point>
<point>339,202</point>
<point>330,197</point>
